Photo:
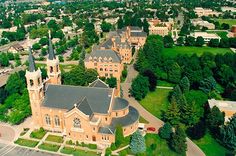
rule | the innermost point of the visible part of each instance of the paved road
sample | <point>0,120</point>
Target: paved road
<point>193,150</point>
<point>13,150</point>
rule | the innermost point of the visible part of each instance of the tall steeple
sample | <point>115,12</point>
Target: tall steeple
<point>32,67</point>
<point>51,54</point>
<point>53,69</point>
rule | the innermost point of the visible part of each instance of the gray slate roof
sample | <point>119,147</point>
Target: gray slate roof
<point>65,97</point>
<point>84,106</point>
<point>139,34</point>
<point>98,83</point>
<point>32,66</point>
<point>108,53</point>
<point>51,54</point>
<point>120,103</point>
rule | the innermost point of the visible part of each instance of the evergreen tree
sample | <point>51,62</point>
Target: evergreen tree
<point>184,84</point>
<point>145,26</point>
<point>228,133</point>
<point>119,136</point>
<point>178,141</point>
<point>174,73</point>
<point>151,78</point>
<point>165,131</point>
<point>172,115</point>
<point>120,23</point>
<point>199,41</point>
<point>139,87</point>
<point>189,114</point>
<point>137,143</point>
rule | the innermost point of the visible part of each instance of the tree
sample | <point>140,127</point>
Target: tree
<point>174,73</point>
<point>80,76</point>
<point>145,26</point>
<point>227,133</point>
<point>172,115</point>
<point>184,84</point>
<point>224,43</point>
<point>208,84</point>
<point>214,43</point>
<point>119,136</point>
<point>151,78</point>
<point>168,41</point>
<point>137,143</point>
<point>112,82</point>
<point>108,151</point>
<point>197,131</point>
<point>165,131</point>
<point>225,26</point>
<point>178,141</point>
<point>199,41</point>
<point>36,46</point>
<point>106,26</point>
<point>215,119</point>
<point>43,41</point>
<point>189,114</point>
<point>120,23</point>
<point>189,41</point>
<point>15,84</point>
<point>4,61</point>
<point>180,41</point>
<point>139,87</point>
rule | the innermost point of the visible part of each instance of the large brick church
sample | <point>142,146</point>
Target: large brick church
<point>87,114</point>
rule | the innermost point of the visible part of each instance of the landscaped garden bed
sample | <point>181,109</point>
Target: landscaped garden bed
<point>38,134</point>
<point>49,147</point>
<point>26,142</point>
<point>77,152</point>
<point>54,138</point>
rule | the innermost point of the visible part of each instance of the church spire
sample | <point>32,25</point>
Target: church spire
<point>32,66</point>
<point>51,54</point>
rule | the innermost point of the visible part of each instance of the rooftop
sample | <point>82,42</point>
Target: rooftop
<point>226,105</point>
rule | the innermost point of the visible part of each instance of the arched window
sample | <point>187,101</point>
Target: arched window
<point>47,119</point>
<point>38,81</point>
<point>57,121</point>
<point>31,82</point>
<point>77,123</point>
<point>51,69</point>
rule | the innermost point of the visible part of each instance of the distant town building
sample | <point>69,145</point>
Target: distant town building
<point>158,27</point>
<point>206,36</point>
<point>229,107</point>
<point>201,24</point>
<point>205,12</point>
<point>16,48</point>
<point>231,9</point>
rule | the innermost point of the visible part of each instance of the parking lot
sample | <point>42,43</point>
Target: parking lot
<point>13,150</point>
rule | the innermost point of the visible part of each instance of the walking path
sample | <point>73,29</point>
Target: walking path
<point>192,149</point>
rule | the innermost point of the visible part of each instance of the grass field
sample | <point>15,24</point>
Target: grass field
<point>222,34</point>
<point>227,21</point>
<point>38,134</point>
<point>164,83</point>
<point>156,102</point>
<point>49,147</point>
<point>54,138</point>
<point>75,152</point>
<point>210,147</point>
<point>26,142</point>
<point>173,52</point>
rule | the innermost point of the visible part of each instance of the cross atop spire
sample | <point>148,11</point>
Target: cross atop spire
<point>32,66</point>
<point>51,54</point>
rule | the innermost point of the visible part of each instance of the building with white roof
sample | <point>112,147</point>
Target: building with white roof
<point>205,12</point>
<point>201,23</point>
<point>228,107</point>
<point>206,36</point>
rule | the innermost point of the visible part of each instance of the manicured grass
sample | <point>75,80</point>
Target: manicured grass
<point>75,152</point>
<point>38,134</point>
<point>54,138</point>
<point>227,21</point>
<point>210,147</point>
<point>157,146</point>
<point>164,83</point>
<point>49,147</point>
<point>182,50</point>
<point>142,120</point>
<point>156,102</point>
<point>26,142</point>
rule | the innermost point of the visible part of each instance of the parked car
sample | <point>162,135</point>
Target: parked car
<point>153,129</point>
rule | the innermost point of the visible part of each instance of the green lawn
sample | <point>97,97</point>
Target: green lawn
<point>164,83</point>
<point>156,102</point>
<point>210,147</point>
<point>77,152</point>
<point>38,134</point>
<point>155,146</point>
<point>49,147</point>
<point>173,52</point>
<point>142,120</point>
<point>227,21</point>
<point>26,142</point>
<point>54,138</point>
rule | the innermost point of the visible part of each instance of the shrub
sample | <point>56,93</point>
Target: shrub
<point>92,146</point>
<point>108,152</point>
<point>113,146</point>
<point>165,131</point>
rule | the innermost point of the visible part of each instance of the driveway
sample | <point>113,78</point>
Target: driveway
<point>7,133</point>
